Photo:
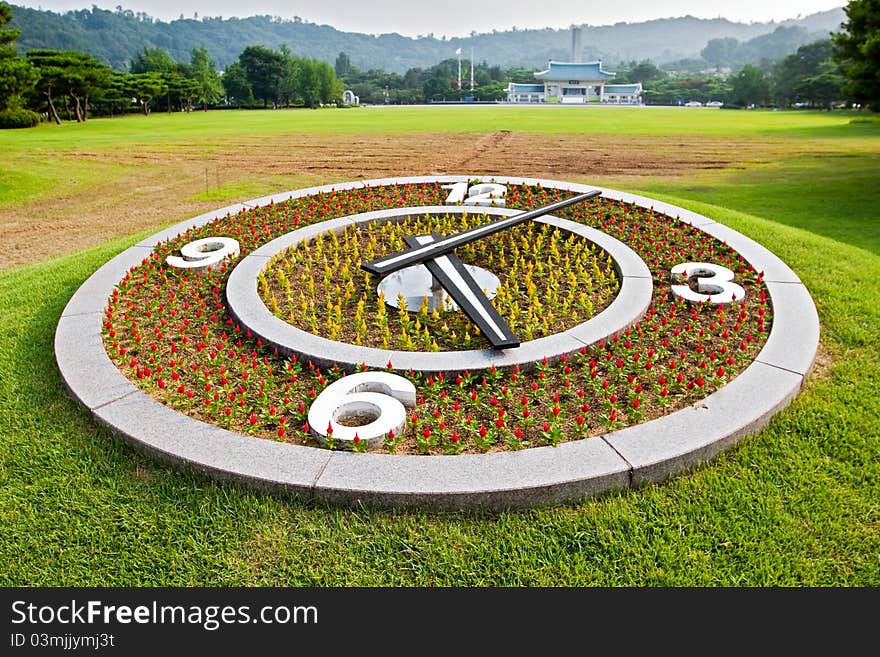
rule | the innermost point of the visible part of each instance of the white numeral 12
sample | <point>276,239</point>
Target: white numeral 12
<point>479,194</point>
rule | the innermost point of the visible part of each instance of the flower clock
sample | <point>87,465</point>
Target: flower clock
<point>446,341</point>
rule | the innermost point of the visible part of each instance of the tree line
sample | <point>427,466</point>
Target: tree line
<point>824,73</point>
<point>115,36</point>
<point>52,85</point>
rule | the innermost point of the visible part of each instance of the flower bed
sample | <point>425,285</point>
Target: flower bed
<point>550,281</point>
<point>169,332</point>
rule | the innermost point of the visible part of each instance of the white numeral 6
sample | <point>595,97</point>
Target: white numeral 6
<point>714,282</point>
<point>479,194</point>
<point>366,404</point>
<point>204,254</point>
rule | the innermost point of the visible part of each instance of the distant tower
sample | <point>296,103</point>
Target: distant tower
<point>577,44</point>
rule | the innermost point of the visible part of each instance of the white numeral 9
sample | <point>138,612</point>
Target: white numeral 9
<point>479,194</point>
<point>714,283</point>
<point>204,254</point>
<point>366,404</point>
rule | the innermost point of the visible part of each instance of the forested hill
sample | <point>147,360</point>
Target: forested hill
<point>115,37</point>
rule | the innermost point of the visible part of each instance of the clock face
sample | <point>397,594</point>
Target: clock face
<point>243,321</point>
<point>623,311</point>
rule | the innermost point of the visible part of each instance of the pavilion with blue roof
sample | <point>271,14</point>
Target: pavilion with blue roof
<point>575,83</point>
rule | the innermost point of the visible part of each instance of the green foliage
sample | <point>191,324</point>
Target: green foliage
<point>858,51</point>
<point>114,37</point>
<point>237,86</point>
<point>728,52</point>
<point>17,76</point>
<point>265,70</point>
<point>203,70</point>
<point>809,76</point>
<point>343,65</point>
<point>8,35</point>
<point>645,71</point>
<point>153,60</point>
<point>68,75</point>
<point>146,87</point>
<point>750,87</point>
<point>18,118</point>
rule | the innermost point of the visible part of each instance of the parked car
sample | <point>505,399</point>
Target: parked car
<point>714,103</point>
<point>693,103</point>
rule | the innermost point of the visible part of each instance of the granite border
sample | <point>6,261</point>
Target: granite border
<point>648,452</point>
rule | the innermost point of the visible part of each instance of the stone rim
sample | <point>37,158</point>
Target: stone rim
<point>648,452</point>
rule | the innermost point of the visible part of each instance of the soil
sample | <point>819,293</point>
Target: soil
<point>164,184</point>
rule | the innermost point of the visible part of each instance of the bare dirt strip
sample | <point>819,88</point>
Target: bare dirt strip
<point>161,185</point>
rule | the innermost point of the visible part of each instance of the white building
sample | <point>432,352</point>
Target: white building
<point>575,83</point>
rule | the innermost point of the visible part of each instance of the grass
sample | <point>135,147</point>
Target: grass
<point>795,505</point>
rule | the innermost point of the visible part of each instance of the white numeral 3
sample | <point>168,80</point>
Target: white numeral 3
<point>714,282</point>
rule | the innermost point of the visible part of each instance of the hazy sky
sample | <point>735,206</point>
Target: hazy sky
<point>457,17</point>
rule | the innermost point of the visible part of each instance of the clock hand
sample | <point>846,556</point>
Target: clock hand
<point>395,261</point>
<point>457,281</point>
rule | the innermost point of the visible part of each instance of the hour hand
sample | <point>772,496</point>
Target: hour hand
<point>464,290</point>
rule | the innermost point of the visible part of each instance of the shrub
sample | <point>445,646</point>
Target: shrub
<point>18,118</point>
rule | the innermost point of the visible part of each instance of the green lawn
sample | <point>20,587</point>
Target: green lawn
<point>795,505</point>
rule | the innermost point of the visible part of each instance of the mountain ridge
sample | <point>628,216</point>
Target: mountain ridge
<point>115,37</point>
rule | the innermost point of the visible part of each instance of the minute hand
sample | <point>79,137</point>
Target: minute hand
<point>395,261</point>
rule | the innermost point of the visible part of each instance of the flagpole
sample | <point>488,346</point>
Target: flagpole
<point>458,52</point>
<point>472,68</point>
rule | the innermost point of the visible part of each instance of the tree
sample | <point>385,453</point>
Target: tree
<point>721,52</point>
<point>265,69</point>
<point>810,75</point>
<point>86,76</point>
<point>50,66</point>
<point>750,86</point>
<point>116,94</point>
<point>645,71</point>
<point>343,65</point>
<point>153,60</point>
<point>858,52</point>
<point>203,70</point>
<point>17,76</point>
<point>237,86</point>
<point>68,74</point>
<point>146,87</point>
